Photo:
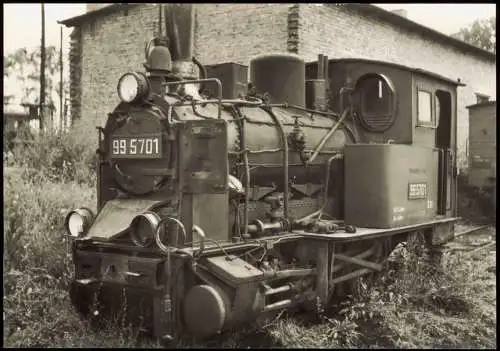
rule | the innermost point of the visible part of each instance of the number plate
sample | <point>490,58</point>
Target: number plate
<point>417,191</point>
<point>136,146</point>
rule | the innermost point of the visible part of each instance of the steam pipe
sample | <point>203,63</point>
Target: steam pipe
<point>259,227</point>
<point>327,181</point>
<point>215,80</point>
<point>323,113</point>
<point>247,178</point>
<point>284,141</point>
<point>238,117</point>
<point>201,234</point>
<point>241,102</point>
<point>203,72</point>
<point>289,273</point>
<point>341,93</point>
<point>326,137</point>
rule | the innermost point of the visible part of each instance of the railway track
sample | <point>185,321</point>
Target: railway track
<point>473,240</point>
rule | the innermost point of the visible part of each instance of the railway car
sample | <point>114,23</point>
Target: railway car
<point>217,207</point>
<point>482,153</point>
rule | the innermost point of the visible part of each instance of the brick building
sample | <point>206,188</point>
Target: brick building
<point>109,40</point>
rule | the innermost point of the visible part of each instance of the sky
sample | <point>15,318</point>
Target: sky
<point>22,28</point>
<point>446,18</point>
<point>22,23</point>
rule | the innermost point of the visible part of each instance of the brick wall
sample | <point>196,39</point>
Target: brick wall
<point>339,32</point>
<point>236,32</point>
<point>113,44</point>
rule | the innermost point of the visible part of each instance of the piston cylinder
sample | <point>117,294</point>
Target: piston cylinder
<point>282,76</point>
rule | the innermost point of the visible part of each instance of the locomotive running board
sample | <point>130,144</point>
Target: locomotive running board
<point>229,247</point>
<point>371,233</point>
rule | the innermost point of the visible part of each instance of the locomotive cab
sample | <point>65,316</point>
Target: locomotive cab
<point>400,108</point>
<point>214,210</point>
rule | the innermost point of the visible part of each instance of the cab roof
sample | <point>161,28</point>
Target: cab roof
<point>396,65</point>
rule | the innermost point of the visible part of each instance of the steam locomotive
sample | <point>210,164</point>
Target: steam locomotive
<point>219,207</point>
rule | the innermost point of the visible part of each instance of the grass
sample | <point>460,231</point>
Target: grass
<point>410,305</point>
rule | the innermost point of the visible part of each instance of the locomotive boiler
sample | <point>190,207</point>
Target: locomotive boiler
<point>217,209</point>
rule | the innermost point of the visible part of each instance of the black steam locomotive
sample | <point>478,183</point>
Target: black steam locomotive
<point>217,207</point>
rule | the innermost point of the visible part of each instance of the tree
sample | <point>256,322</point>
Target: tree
<point>481,33</point>
<point>24,66</point>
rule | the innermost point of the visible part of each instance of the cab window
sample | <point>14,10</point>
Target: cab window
<point>376,97</point>
<point>376,101</point>
<point>424,108</point>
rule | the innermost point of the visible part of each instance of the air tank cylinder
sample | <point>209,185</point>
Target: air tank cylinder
<point>282,76</point>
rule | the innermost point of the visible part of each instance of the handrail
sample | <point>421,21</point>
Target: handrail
<point>215,80</point>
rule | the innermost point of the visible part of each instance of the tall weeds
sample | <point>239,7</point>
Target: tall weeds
<point>411,305</point>
<point>45,179</point>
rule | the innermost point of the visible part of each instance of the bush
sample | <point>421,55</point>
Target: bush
<point>34,221</point>
<point>58,157</point>
<point>36,264</point>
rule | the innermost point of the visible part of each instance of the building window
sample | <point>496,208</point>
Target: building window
<point>424,108</point>
<point>377,102</point>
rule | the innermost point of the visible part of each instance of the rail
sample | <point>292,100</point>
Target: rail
<point>470,248</point>
<point>470,231</point>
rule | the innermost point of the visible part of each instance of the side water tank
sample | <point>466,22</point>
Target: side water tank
<point>282,76</point>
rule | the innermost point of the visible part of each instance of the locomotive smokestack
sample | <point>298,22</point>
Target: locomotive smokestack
<point>179,25</point>
<point>321,68</point>
<point>325,68</point>
<point>316,88</point>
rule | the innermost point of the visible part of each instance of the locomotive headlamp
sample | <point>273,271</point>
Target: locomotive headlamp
<point>133,86</point>
<point>143,227</point>
<point>78,221</point>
